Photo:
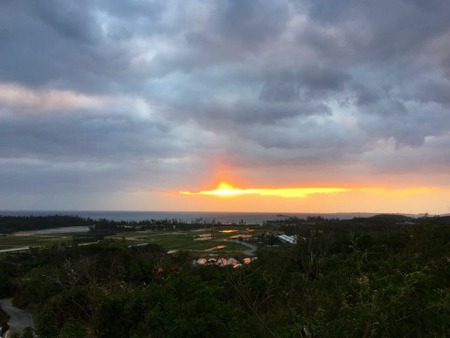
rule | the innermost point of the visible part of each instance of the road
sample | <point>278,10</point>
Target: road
<point>252,247</point>
<point>15,249</point>
<point>19,319</point>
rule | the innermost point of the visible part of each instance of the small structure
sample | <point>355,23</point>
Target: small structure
<point>232,261</point>
<point>201,261</point>
<point>222,262</point>
<point>288,239</point>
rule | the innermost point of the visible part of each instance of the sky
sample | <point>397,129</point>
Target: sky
<point>293,105</point>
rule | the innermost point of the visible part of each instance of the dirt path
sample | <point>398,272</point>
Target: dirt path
<point>15,249</point>
<point>19,319</point>
<point>252,247</point>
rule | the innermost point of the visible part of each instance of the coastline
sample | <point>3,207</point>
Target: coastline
<point>186,216</point>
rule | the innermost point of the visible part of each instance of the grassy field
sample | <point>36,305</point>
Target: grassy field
<point>10,242</point>
<point>203,240</point>
<point>206,241</point>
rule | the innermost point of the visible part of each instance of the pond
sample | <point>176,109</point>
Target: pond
<point>61,230</point>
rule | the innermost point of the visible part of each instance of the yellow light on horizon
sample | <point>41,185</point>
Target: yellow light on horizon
<point>226,190</point>
<point>223,190</point>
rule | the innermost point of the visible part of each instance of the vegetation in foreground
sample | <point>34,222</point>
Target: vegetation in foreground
<point>379,277</point>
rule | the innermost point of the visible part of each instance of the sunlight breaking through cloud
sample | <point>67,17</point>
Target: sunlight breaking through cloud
<point>227,190</point>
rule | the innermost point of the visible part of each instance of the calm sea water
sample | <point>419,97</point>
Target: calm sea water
<point>224,217</point>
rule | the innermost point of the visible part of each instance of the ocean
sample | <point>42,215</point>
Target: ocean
<point>185,216</point>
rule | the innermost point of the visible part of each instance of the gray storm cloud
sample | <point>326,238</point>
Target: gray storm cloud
<point>116,93</point>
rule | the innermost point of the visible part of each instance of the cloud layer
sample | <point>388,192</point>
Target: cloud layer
<point>110,97</point>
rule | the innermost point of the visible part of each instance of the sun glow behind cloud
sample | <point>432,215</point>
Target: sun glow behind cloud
<point>227,190</point>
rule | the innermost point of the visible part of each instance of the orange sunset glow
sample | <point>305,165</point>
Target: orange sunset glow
<point>346,198</point>
<point>227,190</point>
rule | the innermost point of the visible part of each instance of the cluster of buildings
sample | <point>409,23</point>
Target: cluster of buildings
<point>223,262</point>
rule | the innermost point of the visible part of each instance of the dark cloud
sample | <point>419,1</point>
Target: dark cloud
<point>250,22</point>
<point>105,92</point>
<point>304,84</point>
<point>69,46</point>
<point>280,90</point>
<point>70,21</point>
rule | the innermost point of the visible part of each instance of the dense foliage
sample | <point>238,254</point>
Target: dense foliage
<point>336,282</point>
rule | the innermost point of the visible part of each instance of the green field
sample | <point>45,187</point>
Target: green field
<point>190,240</point>
<point>199,241</point>
<point>11,242</point>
